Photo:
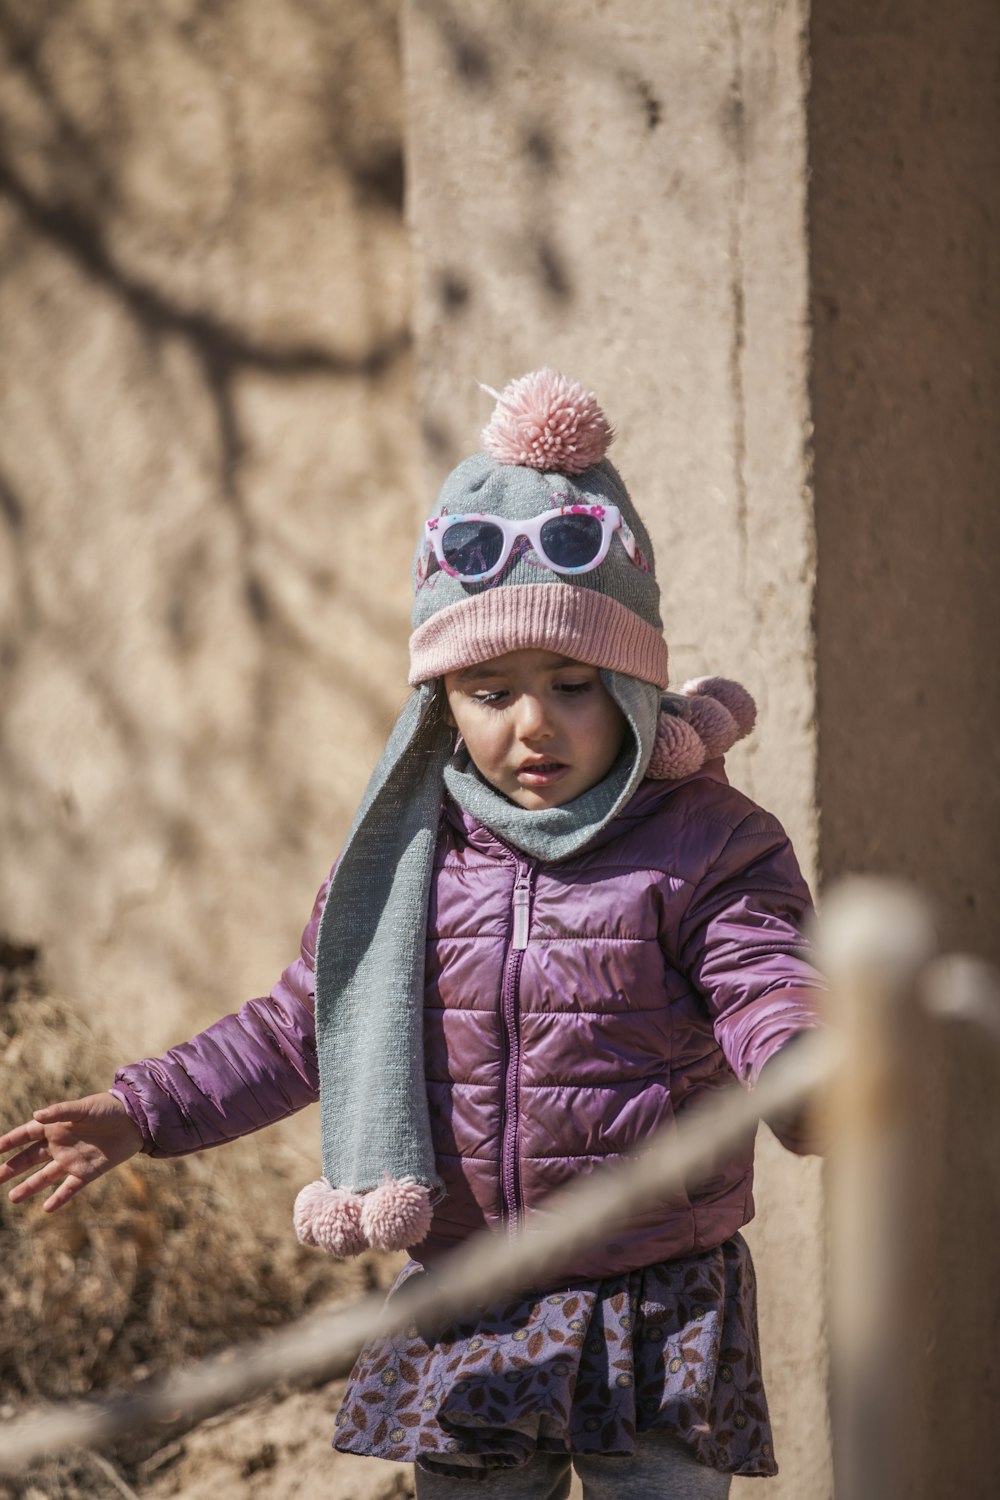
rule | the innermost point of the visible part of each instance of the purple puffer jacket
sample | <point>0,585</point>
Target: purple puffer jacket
<point>570,1010</point>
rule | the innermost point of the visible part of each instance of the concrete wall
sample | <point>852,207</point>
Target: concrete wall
<point>619,190</point>
<point>905,255</point>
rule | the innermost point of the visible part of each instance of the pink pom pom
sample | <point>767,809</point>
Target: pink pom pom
<point>302,1213</point>
<point>330,1218</point>
<point>713,724</point>
<point>397,1214</point>
<point>732,697</point>
<point>677,750</point>
<point>545,421</point>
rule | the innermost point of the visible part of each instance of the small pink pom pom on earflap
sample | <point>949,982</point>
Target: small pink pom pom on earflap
<point>677,750</point>
<point>330,1218</point>
<point>548,422</point>
<point>731,695</point>
<point>397,1214</point>
<point>713,724</point>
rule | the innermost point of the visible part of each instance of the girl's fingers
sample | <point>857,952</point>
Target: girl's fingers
<point>66,1190</point>
<point>21,1135</point>
<point>32,1156</point>
<point>49,1174</point>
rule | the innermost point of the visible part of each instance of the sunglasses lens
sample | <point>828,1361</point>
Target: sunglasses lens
<point>472,547</point>
<point>572,541</point>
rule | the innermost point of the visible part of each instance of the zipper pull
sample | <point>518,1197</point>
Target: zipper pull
<point>522,901</point>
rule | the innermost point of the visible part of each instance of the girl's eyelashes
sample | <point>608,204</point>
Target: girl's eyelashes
<point>499,696</point>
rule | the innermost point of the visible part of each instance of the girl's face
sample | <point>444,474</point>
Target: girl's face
<point>539,727</point>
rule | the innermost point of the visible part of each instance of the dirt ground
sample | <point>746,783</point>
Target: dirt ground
<point>278,1448</point>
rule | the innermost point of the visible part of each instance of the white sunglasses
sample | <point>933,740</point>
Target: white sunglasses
<point>570,539</point>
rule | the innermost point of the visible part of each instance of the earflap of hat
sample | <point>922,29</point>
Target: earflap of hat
<point>700,723</point>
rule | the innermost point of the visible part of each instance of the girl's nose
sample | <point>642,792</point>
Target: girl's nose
<point>533,719</point>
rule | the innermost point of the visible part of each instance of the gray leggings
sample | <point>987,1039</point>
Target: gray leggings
<point>658,1470</point>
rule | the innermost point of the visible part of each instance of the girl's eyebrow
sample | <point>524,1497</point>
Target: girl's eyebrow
<point>475,674</point>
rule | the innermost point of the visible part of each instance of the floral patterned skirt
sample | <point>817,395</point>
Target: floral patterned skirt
<point>579,1370</point>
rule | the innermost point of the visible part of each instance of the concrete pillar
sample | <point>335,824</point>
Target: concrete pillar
<point>905,254</point>
<point>618,189</point>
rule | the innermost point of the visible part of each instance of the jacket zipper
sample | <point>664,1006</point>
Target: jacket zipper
<point>510,1180</point>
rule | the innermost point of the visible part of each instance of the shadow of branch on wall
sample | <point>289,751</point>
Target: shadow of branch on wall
<point>111,201</point>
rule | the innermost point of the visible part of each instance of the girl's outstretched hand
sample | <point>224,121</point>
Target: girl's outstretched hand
<point>76,1141</point>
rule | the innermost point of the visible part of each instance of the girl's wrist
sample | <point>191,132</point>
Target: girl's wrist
<point>120,1092</point>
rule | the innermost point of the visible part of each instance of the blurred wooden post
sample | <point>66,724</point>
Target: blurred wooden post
<point>875,939</point>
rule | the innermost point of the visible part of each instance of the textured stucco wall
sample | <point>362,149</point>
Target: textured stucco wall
<point>618,189</point>
<point>905,251</point>
<point>205,372</point>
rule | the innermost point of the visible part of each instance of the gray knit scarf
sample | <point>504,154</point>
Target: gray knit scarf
<point>370,955</point>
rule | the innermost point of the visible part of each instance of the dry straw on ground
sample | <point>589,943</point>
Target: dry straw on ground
<point>156,1263</point>
<point>153,1264</point>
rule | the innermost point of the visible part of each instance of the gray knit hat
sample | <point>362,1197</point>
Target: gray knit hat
<point>544,455</point>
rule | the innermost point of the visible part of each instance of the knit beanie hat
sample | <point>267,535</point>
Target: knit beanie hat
<point>482,587</point>
<point>544,451</point>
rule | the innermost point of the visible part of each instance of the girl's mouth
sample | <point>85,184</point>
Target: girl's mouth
<point>541,772</point>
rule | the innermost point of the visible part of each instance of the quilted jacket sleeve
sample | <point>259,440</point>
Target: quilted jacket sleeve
<point>244,1072</point>
<point>741,940</point>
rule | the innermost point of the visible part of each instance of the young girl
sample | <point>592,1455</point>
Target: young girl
<point>554,928</point>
